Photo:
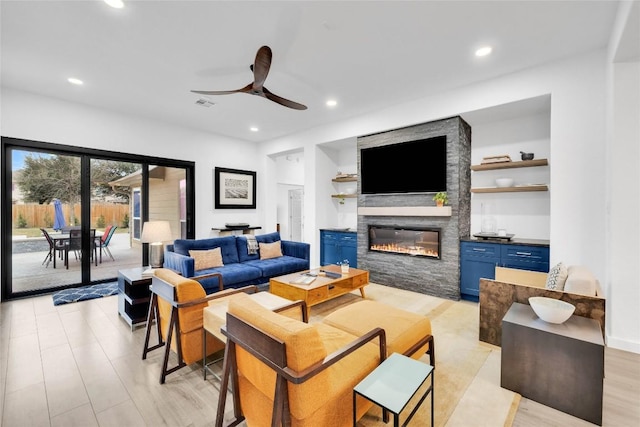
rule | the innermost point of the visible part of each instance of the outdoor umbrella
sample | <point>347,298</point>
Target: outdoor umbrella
<point>58,221</point>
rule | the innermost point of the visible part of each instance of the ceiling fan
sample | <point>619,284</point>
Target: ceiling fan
<point>260,70</point>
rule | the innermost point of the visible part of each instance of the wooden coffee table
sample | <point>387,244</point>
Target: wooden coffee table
<point>322,289</point>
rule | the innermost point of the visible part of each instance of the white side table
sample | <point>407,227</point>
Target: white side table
<point>392,385</point>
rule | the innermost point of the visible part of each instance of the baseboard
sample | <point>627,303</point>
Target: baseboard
<point>622,344</point>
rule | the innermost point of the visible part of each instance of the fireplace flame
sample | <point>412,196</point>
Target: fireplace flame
<point>410,250</point>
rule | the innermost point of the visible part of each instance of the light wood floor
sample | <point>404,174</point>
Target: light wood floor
<point>80,365</point>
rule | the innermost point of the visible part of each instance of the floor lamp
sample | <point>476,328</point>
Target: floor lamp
<point>155,233</point>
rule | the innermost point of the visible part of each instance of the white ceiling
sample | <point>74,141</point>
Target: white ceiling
<point>144,59</point>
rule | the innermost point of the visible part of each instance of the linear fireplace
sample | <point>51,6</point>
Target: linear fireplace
<point>414,241</point>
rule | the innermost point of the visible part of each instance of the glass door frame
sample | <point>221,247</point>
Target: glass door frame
<point>86,154</point>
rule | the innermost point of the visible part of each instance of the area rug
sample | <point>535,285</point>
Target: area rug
<point>84,293</point>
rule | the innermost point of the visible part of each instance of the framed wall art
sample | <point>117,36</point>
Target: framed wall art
<point>234,189</point>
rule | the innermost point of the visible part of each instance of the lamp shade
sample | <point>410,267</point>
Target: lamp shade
<point>156,231</point>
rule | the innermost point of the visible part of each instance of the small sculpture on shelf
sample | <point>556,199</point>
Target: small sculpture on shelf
<point>441,198</point>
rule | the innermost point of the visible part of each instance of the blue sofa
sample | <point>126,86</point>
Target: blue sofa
<point>240,268</point>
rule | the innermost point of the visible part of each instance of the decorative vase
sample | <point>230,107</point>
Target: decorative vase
<point>488,221</point>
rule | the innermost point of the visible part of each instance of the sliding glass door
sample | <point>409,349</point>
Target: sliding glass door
<point>45,210</point>
<point>112,210</point>
<point>74,216</point>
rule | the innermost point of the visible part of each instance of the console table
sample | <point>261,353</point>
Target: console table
<point>230,231</point>
<point>561,366</point>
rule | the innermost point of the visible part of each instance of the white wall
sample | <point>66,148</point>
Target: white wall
<point>623,181</point>
<point>38,118</point>
<point>623,204</point>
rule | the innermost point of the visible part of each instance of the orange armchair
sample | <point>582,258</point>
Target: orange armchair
<point>287,372</point>
<point>176,306</point>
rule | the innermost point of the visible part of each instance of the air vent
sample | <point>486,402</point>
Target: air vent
<point>204,102</point>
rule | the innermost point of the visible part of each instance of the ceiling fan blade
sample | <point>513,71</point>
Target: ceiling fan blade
<point>245,89</point>
<point>261,66</point>
<point>215,92</point>
<point>282,101</point>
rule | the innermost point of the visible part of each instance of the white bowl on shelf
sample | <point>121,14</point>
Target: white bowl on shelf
<point>551,310</point>
<point>504,182</point>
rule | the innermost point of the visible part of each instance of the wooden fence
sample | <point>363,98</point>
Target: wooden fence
<point>36,216</point>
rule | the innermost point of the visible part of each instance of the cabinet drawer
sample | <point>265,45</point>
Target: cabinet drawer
<point>519,253</point>
<point>329,236</point>
<point>348,240</point>
<point>317,295</point>
<point>481,250</point>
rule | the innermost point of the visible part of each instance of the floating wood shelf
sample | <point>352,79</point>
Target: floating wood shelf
<point>521,188</point>
<point>347,179</point>
<point>509,165</point>
<point>344,196</point>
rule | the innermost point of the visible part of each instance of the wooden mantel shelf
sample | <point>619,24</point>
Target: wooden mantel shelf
<point>405,211</point>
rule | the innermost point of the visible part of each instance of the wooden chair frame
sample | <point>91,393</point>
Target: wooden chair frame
<point>272,352</point>
<point>431,349</point>
<point>205,365</point>
<point>166,291</point>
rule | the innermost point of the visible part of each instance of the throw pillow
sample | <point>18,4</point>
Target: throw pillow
<point>580,280</point>
<point>207,259</point>
<point>557,277</point>
<point>270,250</point>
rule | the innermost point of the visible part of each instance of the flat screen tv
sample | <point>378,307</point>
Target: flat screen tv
<point>408,167</point>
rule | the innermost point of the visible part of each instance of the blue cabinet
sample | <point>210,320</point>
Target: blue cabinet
<point>336,246</point>
<point>479,259</point>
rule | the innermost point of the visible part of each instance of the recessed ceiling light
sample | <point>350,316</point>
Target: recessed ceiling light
<point>254,129</point>
<point>117,4</point>
<point>484,51</point>
<point>332,103</point>
<point>75,81</point>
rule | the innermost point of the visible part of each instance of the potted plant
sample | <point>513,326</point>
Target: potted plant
<point>441,198</point>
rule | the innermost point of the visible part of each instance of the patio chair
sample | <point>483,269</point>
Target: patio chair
<point>53,247</point>
<point>105,239</point>
<point>75,244</point>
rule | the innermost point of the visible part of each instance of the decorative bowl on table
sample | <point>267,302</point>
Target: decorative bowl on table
<point>504,182</point>
<point>551,310</point>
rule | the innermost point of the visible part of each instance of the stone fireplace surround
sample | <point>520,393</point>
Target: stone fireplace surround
<point>438,277</point>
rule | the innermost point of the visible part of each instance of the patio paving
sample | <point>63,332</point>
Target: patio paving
<point>29,273</point>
